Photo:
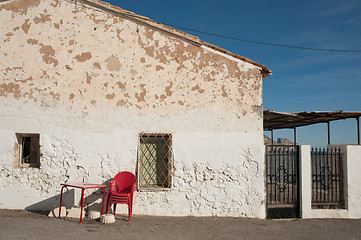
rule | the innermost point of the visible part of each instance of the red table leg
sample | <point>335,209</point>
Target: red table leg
<point>81,205</point>
<point>61,198</point>
<point>82,186</point>
<point>103,200</point>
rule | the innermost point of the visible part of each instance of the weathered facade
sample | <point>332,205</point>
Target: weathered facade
<point>88,79</point>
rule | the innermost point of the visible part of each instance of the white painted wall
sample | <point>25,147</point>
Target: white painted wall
<point>216,173</point>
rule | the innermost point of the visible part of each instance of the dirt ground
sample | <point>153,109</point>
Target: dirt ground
<point>28,225</point>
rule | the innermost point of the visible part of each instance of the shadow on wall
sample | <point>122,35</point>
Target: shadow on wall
<point>72,198</point>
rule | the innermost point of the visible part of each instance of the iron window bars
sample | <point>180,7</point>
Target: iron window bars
<point>154,161</point>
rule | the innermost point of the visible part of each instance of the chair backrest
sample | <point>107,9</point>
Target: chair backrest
<point>123,182</point>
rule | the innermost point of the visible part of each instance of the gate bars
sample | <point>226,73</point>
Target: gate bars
<point>282,175</point>
<point>327,179</point>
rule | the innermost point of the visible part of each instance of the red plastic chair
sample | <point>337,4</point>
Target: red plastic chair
<point>121,190</point>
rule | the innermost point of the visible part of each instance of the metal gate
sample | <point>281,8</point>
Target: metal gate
<point>282,181</point>
<point>327,179</point>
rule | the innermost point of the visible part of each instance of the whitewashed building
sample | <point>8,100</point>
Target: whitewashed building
<point>88,89</point>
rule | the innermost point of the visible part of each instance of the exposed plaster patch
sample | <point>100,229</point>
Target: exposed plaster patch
<point>83,57</point>
<point>254,73</point>
<point>48,53</point>
<point>121,85</point>
<point>113,63</point>
<point>149,50</point>
<point>55,95</point>
<point>224,93</point>
<point>118,34</point>
<point>5,89</point>
<point>162,57</point>
<point>162,97</point>
<point>24,81</point>
<point>32,41</point>
<point>149,33</point>
<point>20,6</point>
<point>140,96</point>
<point>55,3</point>
<point>197,88</point>
<point>88,78</point>
<point>158,68</point>
<point>96,20</point>
<point>14,69</point>
<point>168,89</point>
<point>97,65</point>
<point>110,96</point>
<point>26,26</point>
<point>43,18</point>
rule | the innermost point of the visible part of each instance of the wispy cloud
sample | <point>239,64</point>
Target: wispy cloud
<point>347,77</point>
<point>337,8</point>
<point>325,37</point>
<point>308,36</point>
<point>329,24</point>
<point>307,60</point>
<point>354,19</point>
<point>324,96</point>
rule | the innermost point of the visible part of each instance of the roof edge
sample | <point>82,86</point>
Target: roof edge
<point>266,70</point>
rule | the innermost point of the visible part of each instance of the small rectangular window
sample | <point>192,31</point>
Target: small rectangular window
<point>154,163</point>
<point>27,150</point>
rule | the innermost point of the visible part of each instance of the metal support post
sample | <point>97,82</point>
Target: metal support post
<point>358,130</point>
<point>328,134</point>
<point>294,136</point>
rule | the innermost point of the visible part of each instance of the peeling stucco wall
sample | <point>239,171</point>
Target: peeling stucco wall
<point>89,82</point>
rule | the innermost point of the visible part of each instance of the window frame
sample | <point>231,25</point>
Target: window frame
<point>169,165</point>
<point>19,149</point>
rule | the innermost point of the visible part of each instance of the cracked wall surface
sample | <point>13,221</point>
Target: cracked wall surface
<point>90,81</point>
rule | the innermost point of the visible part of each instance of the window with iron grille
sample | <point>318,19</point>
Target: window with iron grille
<point>27,151</point>
<point>155,159</point>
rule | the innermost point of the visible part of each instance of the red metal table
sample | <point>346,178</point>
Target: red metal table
<point>82,186</point>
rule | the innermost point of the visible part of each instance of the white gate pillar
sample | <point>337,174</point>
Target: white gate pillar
<point>305,179</point>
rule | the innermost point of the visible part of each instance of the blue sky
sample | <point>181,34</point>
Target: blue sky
<point>302,80</point>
